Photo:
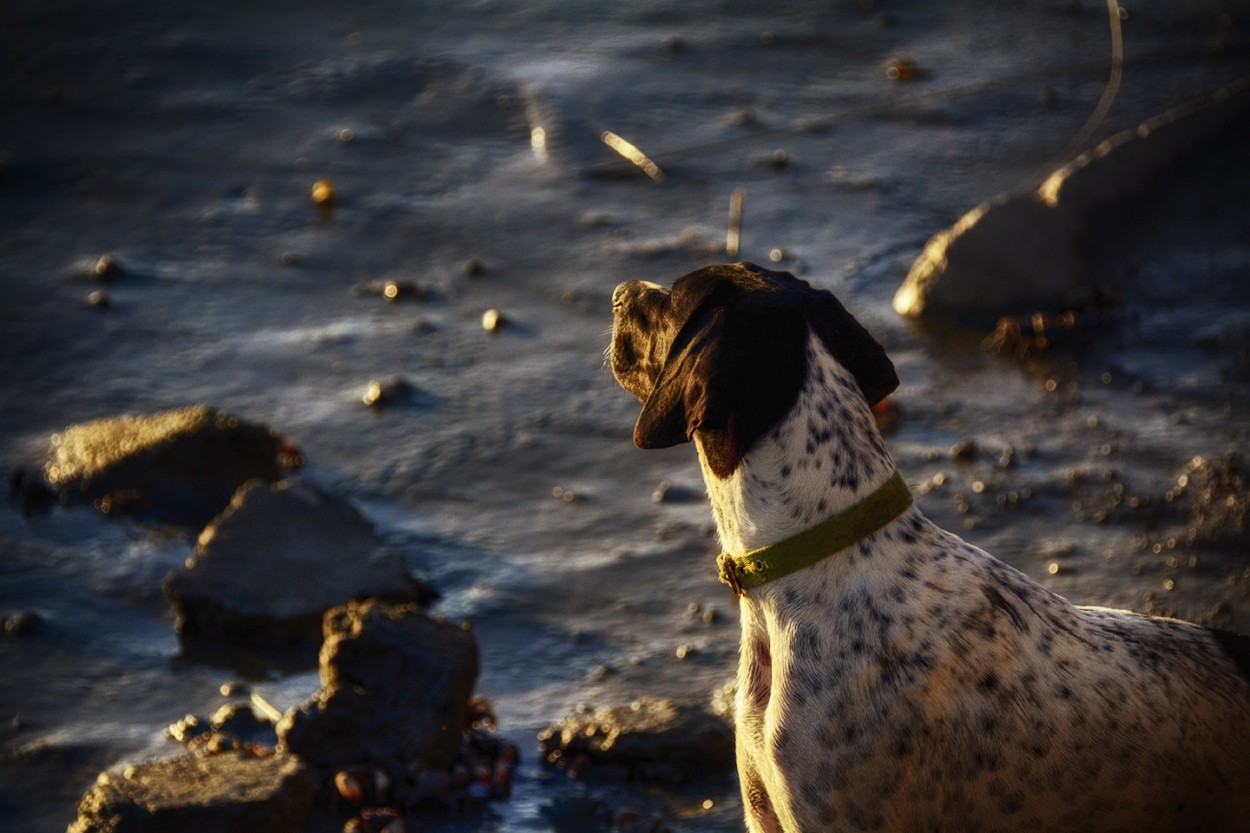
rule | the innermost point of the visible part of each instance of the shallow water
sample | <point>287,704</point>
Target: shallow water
<point>185,140</point>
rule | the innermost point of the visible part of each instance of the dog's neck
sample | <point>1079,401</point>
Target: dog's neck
<point>825,455</point>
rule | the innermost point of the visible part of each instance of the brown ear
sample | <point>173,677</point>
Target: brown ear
<point>678,403</point>
<point>855,349</point>
<point>731,380</point>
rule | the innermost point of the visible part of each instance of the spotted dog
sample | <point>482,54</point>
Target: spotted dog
<point>902,679</point>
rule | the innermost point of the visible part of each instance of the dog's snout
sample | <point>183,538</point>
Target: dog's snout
<point>636,352</point>
<point>628,293</point>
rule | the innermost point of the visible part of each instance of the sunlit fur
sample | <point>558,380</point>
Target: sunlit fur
<point>915,683</point>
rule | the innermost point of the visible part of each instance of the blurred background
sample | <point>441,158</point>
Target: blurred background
<point>297,200</point>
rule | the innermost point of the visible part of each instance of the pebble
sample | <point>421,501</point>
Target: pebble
<point>23,623</point>
<point>106,268</point>
<point>382,392</point>
<point>392,290</point>
<point>492,320</point>
<point>964,450</point>
<point>901,69</point>
<point>323,193</point>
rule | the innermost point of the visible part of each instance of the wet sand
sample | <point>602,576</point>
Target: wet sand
<point>186,142</point>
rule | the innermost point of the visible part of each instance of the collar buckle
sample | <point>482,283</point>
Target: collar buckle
<point>728,572</point>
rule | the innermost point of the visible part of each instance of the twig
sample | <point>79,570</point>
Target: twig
<point>633,154</point>
<point>733,240</point>
<point>266,707</point>
<point>1113,83</point>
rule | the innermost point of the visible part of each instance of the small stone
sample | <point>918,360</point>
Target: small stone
<point>106,268</point>
<point>98,299</point>
<point>472,268</point>
<point>348,786</point>
<point>323,193</point>
<point>381,392</point>
<point>964,450</point>
<point>900,69</point>
<point>23,623</point>
<point>492,320</point>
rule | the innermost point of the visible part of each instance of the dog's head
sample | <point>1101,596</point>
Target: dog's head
<point>724,355</point>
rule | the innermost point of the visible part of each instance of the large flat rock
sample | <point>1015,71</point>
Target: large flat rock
<point>265,572</point>
<point>179,466</point>
<point>1024,252</point>
<point>225,793</point>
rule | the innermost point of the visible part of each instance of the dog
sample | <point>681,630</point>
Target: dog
<point>893,677</point>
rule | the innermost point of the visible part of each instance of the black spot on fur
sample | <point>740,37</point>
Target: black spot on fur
<point>997,601</point>
<point>807,644</point>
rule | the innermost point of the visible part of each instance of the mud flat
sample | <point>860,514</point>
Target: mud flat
<point>290,215</point>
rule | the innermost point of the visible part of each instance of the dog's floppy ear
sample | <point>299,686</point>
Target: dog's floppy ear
<point>857,351</point>
<point>733,376</point>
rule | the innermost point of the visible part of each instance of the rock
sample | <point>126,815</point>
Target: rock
<point>265,572</point>
<point>395,687</point>
<point>20,624</point>
<point>178,466</point>
<point>201,794</point>
<point>652,739</point>
<point>1023,252</point>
